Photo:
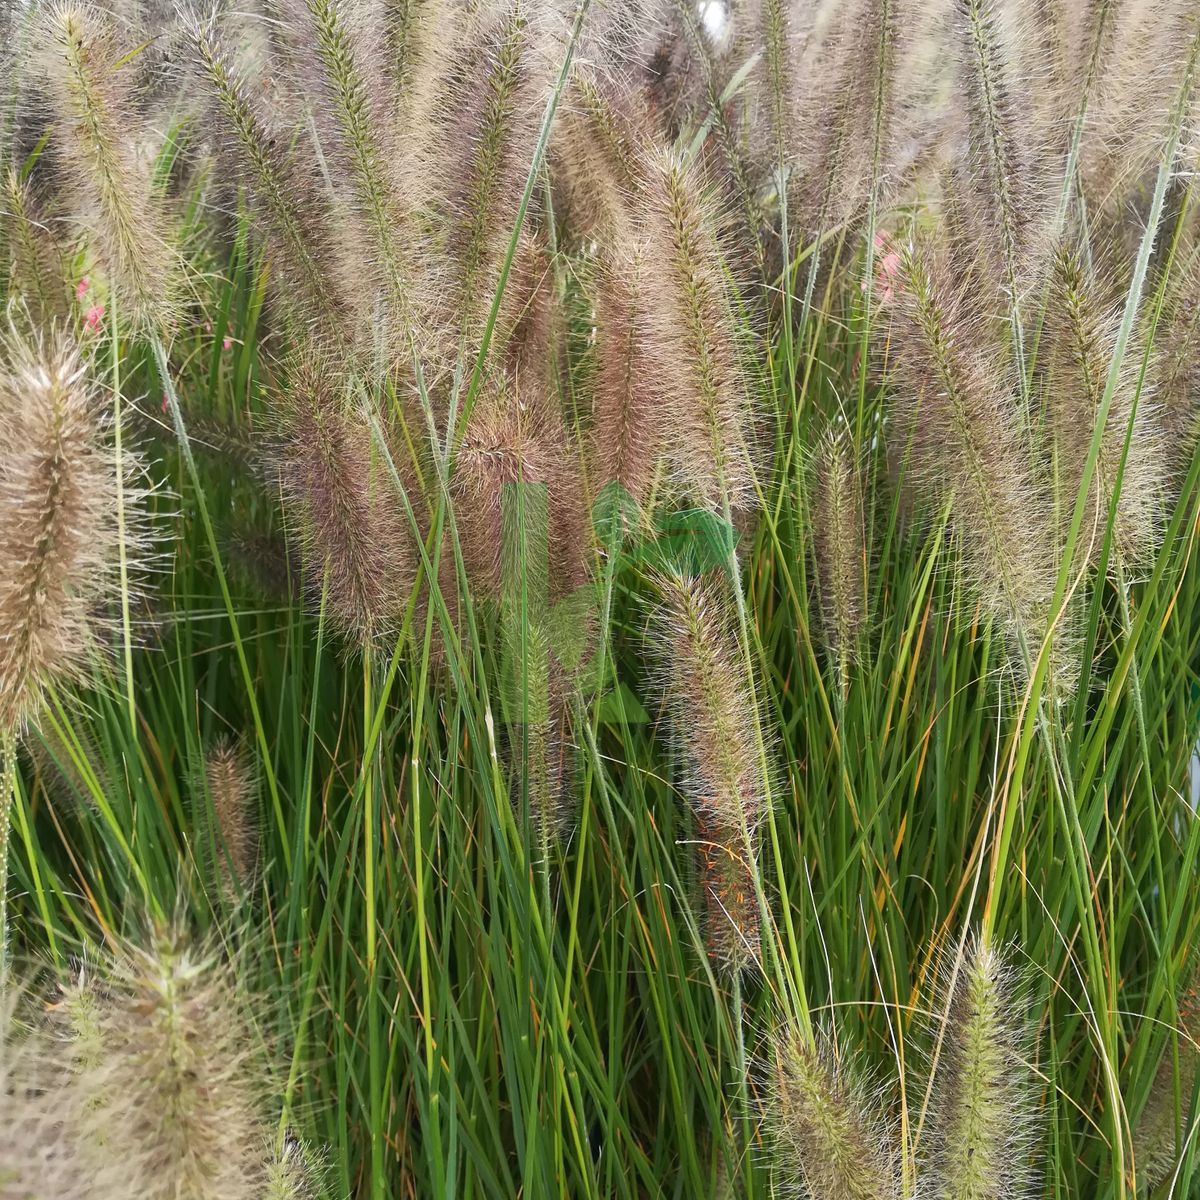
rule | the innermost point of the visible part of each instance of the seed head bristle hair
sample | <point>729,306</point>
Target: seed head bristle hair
<point>704,682</point>
<point>38,1154</point>
<point>733,163</point>
<point>508,443</point>
<point>827,1139</point>
<point>840,551</point>
<point>60,537</point>
<point>1176,369</point>
<point>294,1172</point>
<point>231,785</point>
<point>299,226</point>
<point>90,86</point>
<point>528,332</point>
<point>415,33</point>
<point>496,115</point>
<point>959,418</point>
<point>353,123</point>
<point>982,1112</point>
<point>36,270</point>
<point>340,498</point>
<point>847,107</point>
<point>1158,1139</point>
<point>178,1092</point>
<point>1146,50</point>
<point>692,339</point>
<point>628,435</point>
<point>598,147</point>
<point>1005,180</point>
<point>1081,334</point>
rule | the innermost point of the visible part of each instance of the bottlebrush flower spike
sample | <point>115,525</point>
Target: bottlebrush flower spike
<point>1158,1139</point>
<point>692,339</point>
<point>89,83</point>
<point>1081,335</point>
<point>60,534</point>
<point>232,789</point>
<point>703,679</point>
<point>838,542</point>
<point>982,1106</point>
<point>958,417</point>
<point>341,498</point>
<point>826,1137</point>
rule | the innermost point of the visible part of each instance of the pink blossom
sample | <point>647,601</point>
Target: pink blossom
<point>887,269</point>
<point>226,344</point>
<point>81,288</point>
<point>93,317</point>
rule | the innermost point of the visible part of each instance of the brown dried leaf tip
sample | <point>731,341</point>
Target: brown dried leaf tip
<point>60,535</point>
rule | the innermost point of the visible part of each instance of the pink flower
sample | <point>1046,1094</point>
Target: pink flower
<point>226,344</point>
<point>165,402</point>
<point>81,288</point>
<point>887,269</point>
<point>93,317</point>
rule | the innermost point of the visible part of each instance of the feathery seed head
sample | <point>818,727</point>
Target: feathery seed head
<point>340,495</point>
<point>692,339</point>
<point>88,80</point>
<point>1081,333</point>
<point>959,416</point>
<point>703,679</point>
<point>838,542</point>
<point>982,1114</point>
<point>231,784</point>
<point>60,538</point>
<point>826,1136</point>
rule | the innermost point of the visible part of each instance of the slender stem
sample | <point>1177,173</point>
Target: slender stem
<point>8,794</point>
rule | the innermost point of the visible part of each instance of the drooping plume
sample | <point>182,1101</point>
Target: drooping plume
<point>343,506</point>
<point>982,1106</point>
<point>60,537</point>
<point>88,77</point>
<point>826,1137</point>
<point>1081,335</point>
<point>692,339</point>
<point>958,417</point>
<point>710,705</point>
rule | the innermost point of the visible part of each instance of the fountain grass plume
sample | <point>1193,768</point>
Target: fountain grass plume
<point>340,498</point>
<point>37,272</point>
<point>89,81</point>
<point>839,548</point>
<point>1158,1139</point>
<point>231,784</point>
<point>959,419</point>
<point>982,1099</point>
<point>692,338</point>
<point>1007,182</point>
<point>308,249</point>
<point>827,1138</point>
<point>61,531</point>
<point>1080,334</point>
<point>702,676</point>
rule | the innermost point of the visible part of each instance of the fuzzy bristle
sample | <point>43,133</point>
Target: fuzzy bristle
<point>826,1138</point>
<point>959,418</point>
<point>232,788</point>
<point>345,512</point>
<point>1157,1138</point>
<point>705,685</point>
<point>1081,335</point>
<point>96,136</point>
<point>982,1107</point>
<point>692,339</point>
<point>60,536</point>
<point>36,271</point>
<point>837,518</point>
<point>629,431</point>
